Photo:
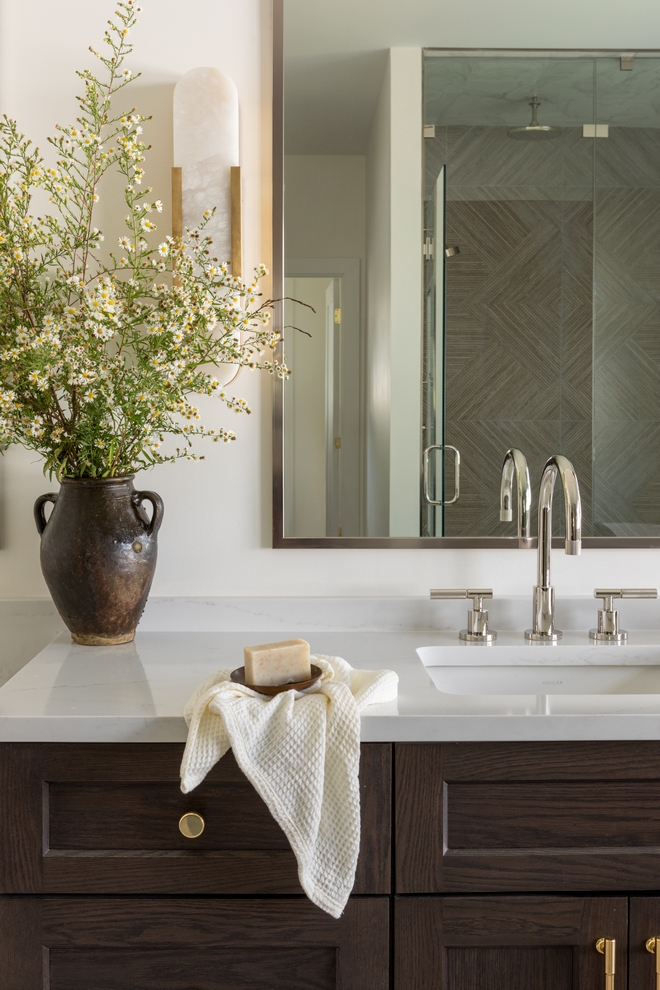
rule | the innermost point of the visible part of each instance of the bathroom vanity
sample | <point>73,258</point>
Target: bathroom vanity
<point>499,843</point>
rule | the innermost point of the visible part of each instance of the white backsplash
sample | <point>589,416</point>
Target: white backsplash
<point>374,614</point>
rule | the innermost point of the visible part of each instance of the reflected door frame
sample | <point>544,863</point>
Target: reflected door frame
<point>344,442</point>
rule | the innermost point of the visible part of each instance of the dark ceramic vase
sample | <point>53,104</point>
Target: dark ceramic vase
<point>98,555</point>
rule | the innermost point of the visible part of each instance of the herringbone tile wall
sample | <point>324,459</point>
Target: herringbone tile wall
<point>627,334</point>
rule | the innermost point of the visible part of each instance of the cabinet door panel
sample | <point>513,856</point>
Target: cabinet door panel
<point>644,924</point>
<point>212,969</point>
<point>527,817</point>
<point>507,943</point>
<point>104,819</point>
<point>74,943</point>
<point>521,969</point>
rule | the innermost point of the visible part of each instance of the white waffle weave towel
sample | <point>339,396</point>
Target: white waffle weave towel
<point>301,751</point>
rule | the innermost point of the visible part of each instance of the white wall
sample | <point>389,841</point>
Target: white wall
<point>215,538</point>
<point>406,289</point>
<point>377,351</point>
<point>394,299</point>
<point>325,206</point>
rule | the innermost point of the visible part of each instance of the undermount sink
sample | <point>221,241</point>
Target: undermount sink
<point>530,669</point>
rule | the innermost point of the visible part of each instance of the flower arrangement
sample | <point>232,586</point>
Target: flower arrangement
<point>100,357</point>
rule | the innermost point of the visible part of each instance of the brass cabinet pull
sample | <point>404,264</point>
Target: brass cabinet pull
<point>653,946</point>
<point>607,946</point>
<point>191,825</point>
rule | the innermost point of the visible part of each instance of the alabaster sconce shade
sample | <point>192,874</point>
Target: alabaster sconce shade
<point>206,171</point>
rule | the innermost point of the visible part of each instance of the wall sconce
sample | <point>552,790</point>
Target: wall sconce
<point>206,169</point>
<point>206,172</point>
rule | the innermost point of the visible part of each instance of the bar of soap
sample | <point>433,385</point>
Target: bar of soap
<point>277,663</point>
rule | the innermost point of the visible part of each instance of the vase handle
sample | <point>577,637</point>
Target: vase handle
<point>39,516</point>
<point>153,525</point>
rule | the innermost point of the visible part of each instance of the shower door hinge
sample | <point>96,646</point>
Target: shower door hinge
<point>595,130</point>
<point>427,249</point>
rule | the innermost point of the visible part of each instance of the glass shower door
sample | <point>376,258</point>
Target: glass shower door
<point>433,356</point>
<point>626,352</point>
<point>507,139</point>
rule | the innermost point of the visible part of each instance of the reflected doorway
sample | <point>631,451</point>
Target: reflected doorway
<point>322,426</point>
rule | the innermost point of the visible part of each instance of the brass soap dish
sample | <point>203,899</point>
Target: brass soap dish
<point>238,676</point>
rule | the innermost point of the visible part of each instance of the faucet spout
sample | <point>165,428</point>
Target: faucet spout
<point>515,465</point>
<point>544,594</point>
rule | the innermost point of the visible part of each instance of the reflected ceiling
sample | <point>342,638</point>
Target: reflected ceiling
<point>335,54</point>
<point>496,92</point>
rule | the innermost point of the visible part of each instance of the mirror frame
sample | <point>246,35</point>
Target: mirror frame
<point>368,542</point>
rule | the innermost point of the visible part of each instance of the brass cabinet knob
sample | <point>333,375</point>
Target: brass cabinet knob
<point>191,825</point>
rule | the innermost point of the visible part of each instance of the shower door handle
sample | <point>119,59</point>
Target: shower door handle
<point>457,473</point>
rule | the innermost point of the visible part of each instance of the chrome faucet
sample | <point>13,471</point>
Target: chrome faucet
<point>515,462</point>
<point>543,625</point>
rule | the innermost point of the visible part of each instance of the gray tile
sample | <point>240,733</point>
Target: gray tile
<point>630,156</point>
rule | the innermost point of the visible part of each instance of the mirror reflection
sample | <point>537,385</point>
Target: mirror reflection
<point>475,242</point>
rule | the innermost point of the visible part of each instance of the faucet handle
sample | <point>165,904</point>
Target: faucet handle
<point>476,594</point>
<point>625,593</point>
<point>608,617</point>
<point>477,621</point>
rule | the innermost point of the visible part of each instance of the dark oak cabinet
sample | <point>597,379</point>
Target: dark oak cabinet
<point>507,943</point>
<point>644,921</point>
<point>482,867</point>
<point>87,943</point>
<point>527,817</point>
<point>104,818</point>
<point>90,833</point>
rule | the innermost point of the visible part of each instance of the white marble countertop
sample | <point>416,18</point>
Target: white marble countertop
<point>136,693</point>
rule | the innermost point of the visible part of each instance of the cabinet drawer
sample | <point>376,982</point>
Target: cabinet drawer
<point>76,943</point>
<point>105,819</point>
<point>527,816</point>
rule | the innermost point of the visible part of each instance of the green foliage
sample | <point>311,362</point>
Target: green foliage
<point>99,359</point>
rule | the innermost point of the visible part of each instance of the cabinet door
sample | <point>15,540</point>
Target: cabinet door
<point>644,924</point>
<point>75,943</point>
<point>507,943</point>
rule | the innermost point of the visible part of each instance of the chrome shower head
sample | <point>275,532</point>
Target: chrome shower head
<point>534,131</point>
